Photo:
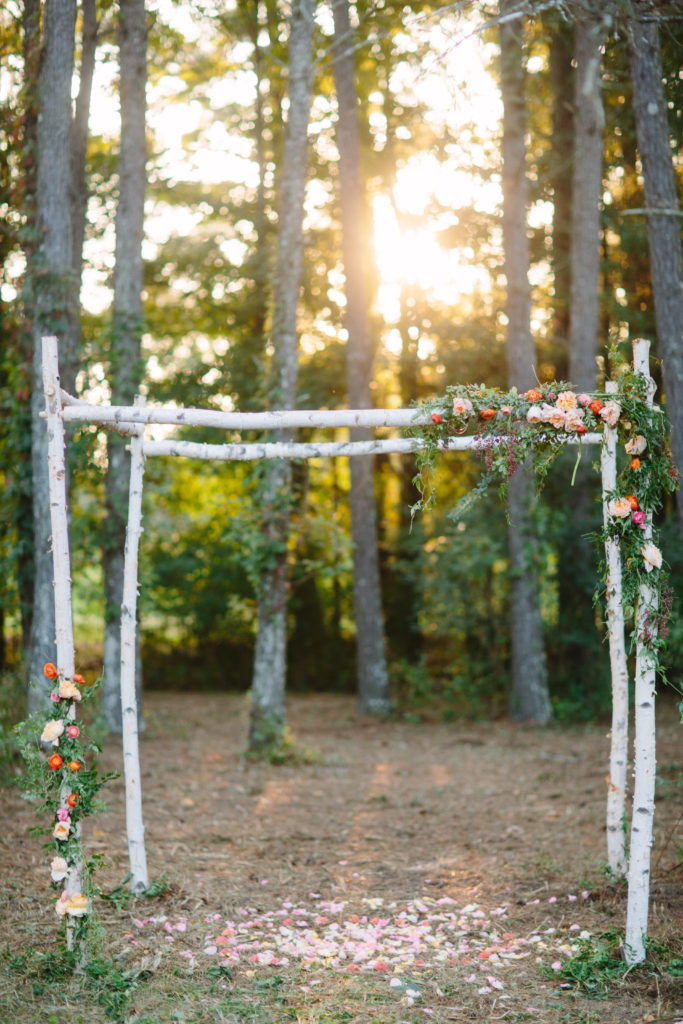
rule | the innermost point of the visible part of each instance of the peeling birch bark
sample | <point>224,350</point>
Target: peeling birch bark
<point>645,742</point>
<point>616,781</point>
<point>61,559</point>
<point>135,828</point>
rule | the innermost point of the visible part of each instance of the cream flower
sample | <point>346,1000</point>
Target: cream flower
<point>61,830</point>
<point>77,905</point>
<point>551,414</point>
<point>52,731</point>
<point>534,415</point>
<point>620,508</point>
<point>610,412</point>
<point>636,446</point>
<point>59,869</point>
<point>652,556</point>
<point>566,400</point>
<point>573,419</point>
<point>462,406</point>
<point>68,690</point>
<point>60,905</point>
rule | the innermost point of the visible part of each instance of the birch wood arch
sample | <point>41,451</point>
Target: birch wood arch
<point>133,420</point>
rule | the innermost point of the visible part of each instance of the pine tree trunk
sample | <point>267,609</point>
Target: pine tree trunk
<point>529,699</point>
<point>52,298</point>
<point>580,651</point>
<point>267,714</point>
<point>373,681</point>
<point>663,228</point>
<point>125,352</point>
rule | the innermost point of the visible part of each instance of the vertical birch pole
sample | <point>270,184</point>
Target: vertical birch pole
<point>645,747</point>
<point>61,560</point>
<point>135,828</point>
<point>616,782</point>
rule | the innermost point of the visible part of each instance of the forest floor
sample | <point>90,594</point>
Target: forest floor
<point>389,872</point>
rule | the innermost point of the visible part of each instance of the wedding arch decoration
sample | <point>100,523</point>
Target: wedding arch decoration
<point>505,430</point>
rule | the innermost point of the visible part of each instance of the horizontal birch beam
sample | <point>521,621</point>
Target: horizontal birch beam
<point>114,416</point>
<point>314,450</point>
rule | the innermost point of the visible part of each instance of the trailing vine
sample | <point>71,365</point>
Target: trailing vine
<point>62,777</point>
<point>513,428</point>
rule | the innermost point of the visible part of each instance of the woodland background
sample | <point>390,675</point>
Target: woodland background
<point>344,205</point>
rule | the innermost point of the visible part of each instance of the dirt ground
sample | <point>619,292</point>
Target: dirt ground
<point>385,818</point>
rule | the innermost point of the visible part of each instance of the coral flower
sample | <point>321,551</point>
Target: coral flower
<point>50,671</point>
<point>533,395</point>
<point>633,502</point>
<point>487,414</point>
<point>75,766</point>
<point>595,406</point>
<point>635,464</point>
<point>55,762</point>
<point>78,679</point>
<point>73,799</point>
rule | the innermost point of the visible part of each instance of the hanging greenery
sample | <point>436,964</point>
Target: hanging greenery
<point>62,777</point>
<point>513,428</point>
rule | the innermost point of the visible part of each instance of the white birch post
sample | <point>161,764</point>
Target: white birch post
<point>616,782</point>
<point>135,828</point>
<point>64,630</point>
<point>645,746</point>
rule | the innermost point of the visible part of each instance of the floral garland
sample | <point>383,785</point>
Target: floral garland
<point>66,788</point>
<point>513,428</point>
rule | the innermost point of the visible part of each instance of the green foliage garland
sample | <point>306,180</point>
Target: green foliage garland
<point>515,428</point>
<point>62,776</point>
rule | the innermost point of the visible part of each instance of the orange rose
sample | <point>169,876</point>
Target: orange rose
<point>55,762</point>
<point>633,502</point>
<point>75,766</point>
<point>635,464</point>
<point>534,395</point>
<point>487,414</point>
<point>78,679</point>
<point>50,671</point>
<point>73,799</point>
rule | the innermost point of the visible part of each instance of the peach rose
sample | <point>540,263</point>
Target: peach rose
<point>573,419</point>
<point>68,690</point>
<point>610,413</point>
<point>61,830</point>
<point>77,905</point>
<point>566,400</point>
<point>620,508</point>
<point>462,406</point>
<point>551,414</point>
<point>534,414</point>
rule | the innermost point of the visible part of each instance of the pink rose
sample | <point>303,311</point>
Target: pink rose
<point>63,814</point>
<point>640,519</point>
<point>584,400</point>
<point>54,697</point>
<point>73,731</point>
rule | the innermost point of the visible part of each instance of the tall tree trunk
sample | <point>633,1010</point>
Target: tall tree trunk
<point>663,220</point>
<point>68,367</point>
<point>52,298</point>
<point>125,351</point>
<point>373,680</point>
<point>586,200</point>
<point>579,648</point>
<point>561,78</point>
<point>31,47</point>
<point>267,713</point>
<point>529,698</point>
